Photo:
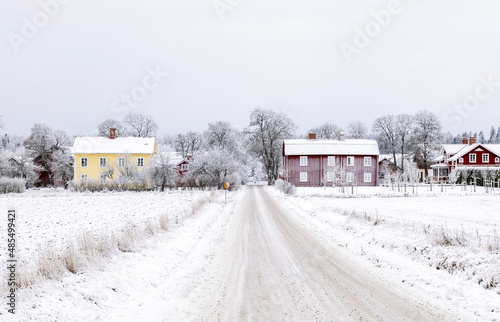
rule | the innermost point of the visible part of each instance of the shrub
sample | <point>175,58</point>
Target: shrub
<point>12,185</point>
<point>286,187</point>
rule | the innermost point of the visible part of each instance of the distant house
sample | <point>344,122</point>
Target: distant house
<point>468,154</point>
<point>95,155</point>
<point>181,165</point>
<point>318,162</point>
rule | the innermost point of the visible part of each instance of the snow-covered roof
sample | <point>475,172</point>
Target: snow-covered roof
<point>331,147</point>
<point>452,149</point>
<point>495,148</point>
<point>173,157</point>
<point>89,145</point>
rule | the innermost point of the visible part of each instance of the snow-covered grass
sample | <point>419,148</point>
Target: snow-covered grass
<point>452,232</point>
<point>61,231</point>
<point>396,190</point>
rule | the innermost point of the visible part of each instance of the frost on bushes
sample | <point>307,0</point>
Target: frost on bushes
<point>286,187</point>
<point>12,185</point>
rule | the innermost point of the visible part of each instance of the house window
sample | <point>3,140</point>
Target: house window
<point>140,162</point>
<point>303,177</point>
<point>368,177</point>
<point>121,161</point>
<point>329,176</point>
<point>184,167</point>
<point>461,160</point>
<point>85,162</point>
<point>349,177</point>
<point>472,158</point>
<point>103,179</point>
<point>331,160</point>
<point>497,160</point>
<point>102,162</point>
<point>368,161</point>
<point>486,158</point>
<point>303,161</point>
<point>85,179</point>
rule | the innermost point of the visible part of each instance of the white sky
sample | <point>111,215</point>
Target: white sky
<point>279,54</point>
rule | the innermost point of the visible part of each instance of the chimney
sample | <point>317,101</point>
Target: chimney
<point>472,140</point>
<point>112,133</point>
<point>312,136</point>
<point>342,136</point>
<point>465,140</point>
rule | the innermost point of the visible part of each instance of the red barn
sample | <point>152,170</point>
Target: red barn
<point>317,162</point>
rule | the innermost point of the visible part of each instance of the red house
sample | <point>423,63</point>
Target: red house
<point>468,154</point>
<point>318,162</point>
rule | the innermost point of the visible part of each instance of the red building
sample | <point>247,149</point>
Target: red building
<point>318,162</point>
<point>468,154</point>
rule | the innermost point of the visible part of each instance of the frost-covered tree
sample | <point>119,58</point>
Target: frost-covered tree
<point>222,135</point>
<point>1,122</point>
<point>214,167</point>
<point>427,136</point>
<point>163,171</point>
<point>104,126</point>
<point>493,135</point>
<point>481,138</point>
<point>188,144</point>
<point>327,131</point>
<point>62,164</point>
<point>41,145</point>
<point>267,131</point>
<point>19,164</point>
<point>140,125</point>
<point>357,130</point>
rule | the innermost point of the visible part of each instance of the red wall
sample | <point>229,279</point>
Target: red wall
<point>316,165</point>
<point>479,158</point>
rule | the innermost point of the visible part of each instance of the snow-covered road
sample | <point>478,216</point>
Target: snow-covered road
<point>271,267</point>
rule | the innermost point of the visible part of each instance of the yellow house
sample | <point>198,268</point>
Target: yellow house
<point>111,159</point>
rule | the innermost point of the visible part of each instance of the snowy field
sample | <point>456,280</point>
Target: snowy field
<point>454,232</point>
<point>51,220</point>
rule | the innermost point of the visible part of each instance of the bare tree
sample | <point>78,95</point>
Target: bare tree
<point>222,135</point>
<point>404,130</point>
<point>267,131</point>
<point>327,131</point>
<point>427,136</point>
<point>385,129</point>
<point>357,130</point>
<point>140,125</point>
<point>62,164</point>
<point>215,166</point>
<point>104,126</point>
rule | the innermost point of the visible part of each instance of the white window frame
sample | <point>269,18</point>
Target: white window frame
<point>487,159</point>
<point>303,161</point>
<point>367,177</point>
<point>101,163</point>
<point>84,179</point>
<point>103,178</point>
<point>461,160</point>
<point>84,162</point>
<point>350,164</point>
<point>497,160</point>
<point>471,157</point>
<point>330,161</point>
<point>184,167</point>
<point>349,177</point>
<point>369,163</point>
<point>329,176</point>
<point>140,162</point>
<point>303,177</point>
<point>121,161</point>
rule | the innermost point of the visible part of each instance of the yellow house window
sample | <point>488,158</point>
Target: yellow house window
<point>102,162</point>
<point>121,161</point>
<point>140,162</point>
<point>84,178</point>
<point>85,162</point>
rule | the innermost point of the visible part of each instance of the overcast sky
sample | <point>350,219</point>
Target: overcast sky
<point>190,62</point>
